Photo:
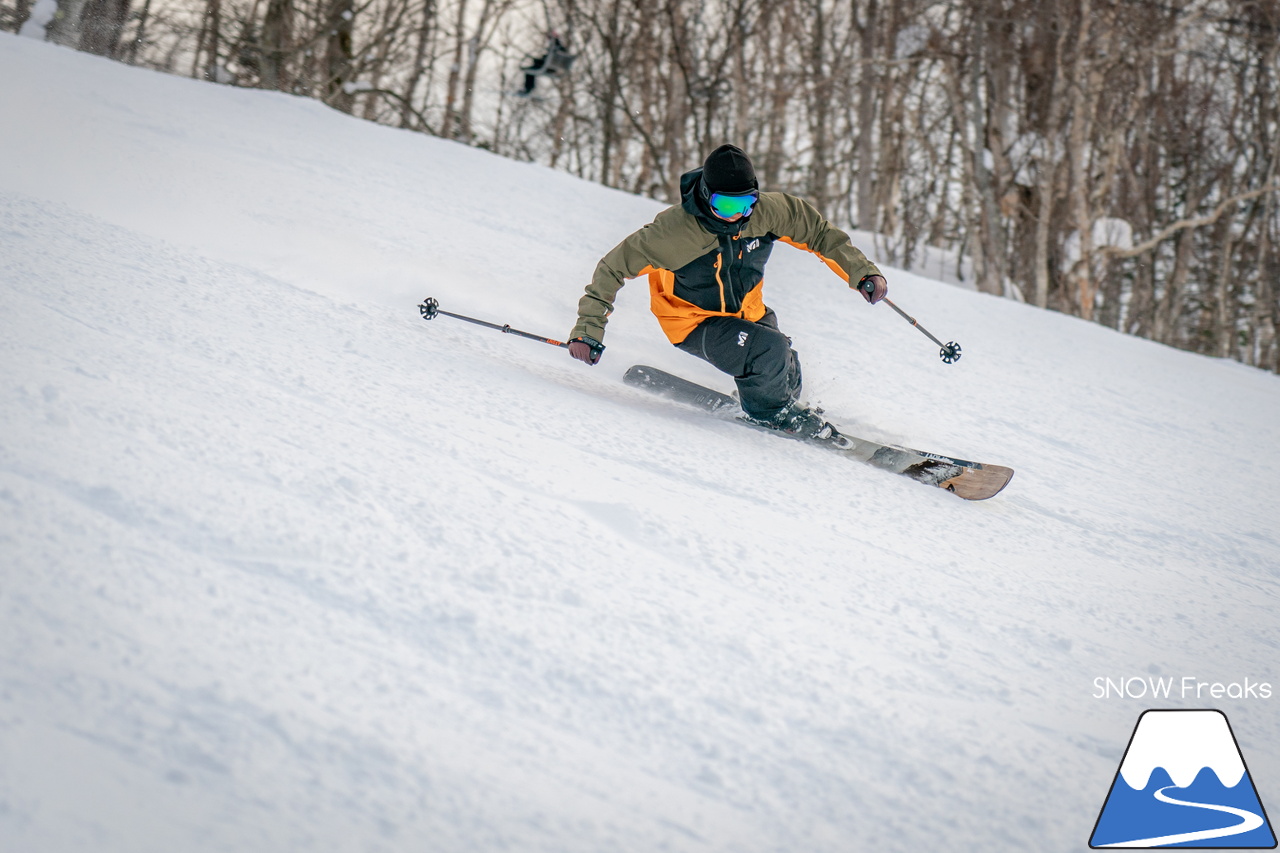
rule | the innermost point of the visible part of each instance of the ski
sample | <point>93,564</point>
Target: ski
<point>972,481</point>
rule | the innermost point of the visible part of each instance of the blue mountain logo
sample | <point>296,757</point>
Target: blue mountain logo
<point>1183,783</point>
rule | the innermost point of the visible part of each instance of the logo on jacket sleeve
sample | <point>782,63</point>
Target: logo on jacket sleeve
<point>1183,783</point>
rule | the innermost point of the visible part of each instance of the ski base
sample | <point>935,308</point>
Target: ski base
<point>972,481</point>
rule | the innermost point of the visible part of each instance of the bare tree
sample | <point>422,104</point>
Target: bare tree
<point>277,44</point>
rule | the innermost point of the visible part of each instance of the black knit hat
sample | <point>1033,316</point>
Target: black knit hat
<point>728,170</point>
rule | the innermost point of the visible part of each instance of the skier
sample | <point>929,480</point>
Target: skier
<point>554,59</point>
<point>705,261</point>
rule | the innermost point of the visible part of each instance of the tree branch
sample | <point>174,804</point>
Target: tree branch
<point>1183,224</point>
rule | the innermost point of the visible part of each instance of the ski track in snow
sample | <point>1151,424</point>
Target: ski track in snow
<point>287,568</point>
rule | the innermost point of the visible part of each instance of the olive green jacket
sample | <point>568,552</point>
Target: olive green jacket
<point>700,266</point>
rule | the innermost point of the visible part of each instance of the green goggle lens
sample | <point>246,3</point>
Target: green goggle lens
<point>726,205</point>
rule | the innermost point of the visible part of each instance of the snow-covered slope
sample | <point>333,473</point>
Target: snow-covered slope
<point>283,567</point>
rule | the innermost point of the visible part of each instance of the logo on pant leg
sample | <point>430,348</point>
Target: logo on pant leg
<point>742,339</point>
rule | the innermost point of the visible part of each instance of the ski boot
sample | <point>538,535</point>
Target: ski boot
<point>803,423</point>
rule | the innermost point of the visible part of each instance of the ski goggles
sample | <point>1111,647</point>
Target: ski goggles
<point>729,205</point>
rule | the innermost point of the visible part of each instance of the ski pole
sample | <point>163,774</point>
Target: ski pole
<point>950,352</point>
<point>430,308</point>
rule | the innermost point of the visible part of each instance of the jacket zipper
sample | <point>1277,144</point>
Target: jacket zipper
<point>724,275</point>
<point>720,269</point>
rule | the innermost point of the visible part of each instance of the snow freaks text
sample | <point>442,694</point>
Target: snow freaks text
<point>1186,687</point>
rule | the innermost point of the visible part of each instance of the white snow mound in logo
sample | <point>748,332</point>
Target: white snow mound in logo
<point>1183,743</point>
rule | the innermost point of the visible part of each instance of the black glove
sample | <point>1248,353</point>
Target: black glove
<point>586,349</point>
<point>873,288</point>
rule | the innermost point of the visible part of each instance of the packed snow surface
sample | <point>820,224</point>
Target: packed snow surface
<point>284,567</point>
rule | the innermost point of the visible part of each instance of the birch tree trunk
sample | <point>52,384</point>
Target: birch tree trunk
<point>338,56</point>
<point>65,28</point>
<point>449,127</point>
<point>277,35</point>
<point>103,26</point>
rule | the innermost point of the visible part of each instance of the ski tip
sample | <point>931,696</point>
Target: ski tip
<point>638,374</point>
<point>979,484</point>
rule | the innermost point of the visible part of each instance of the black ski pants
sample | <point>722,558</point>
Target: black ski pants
<point>756,355</point>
